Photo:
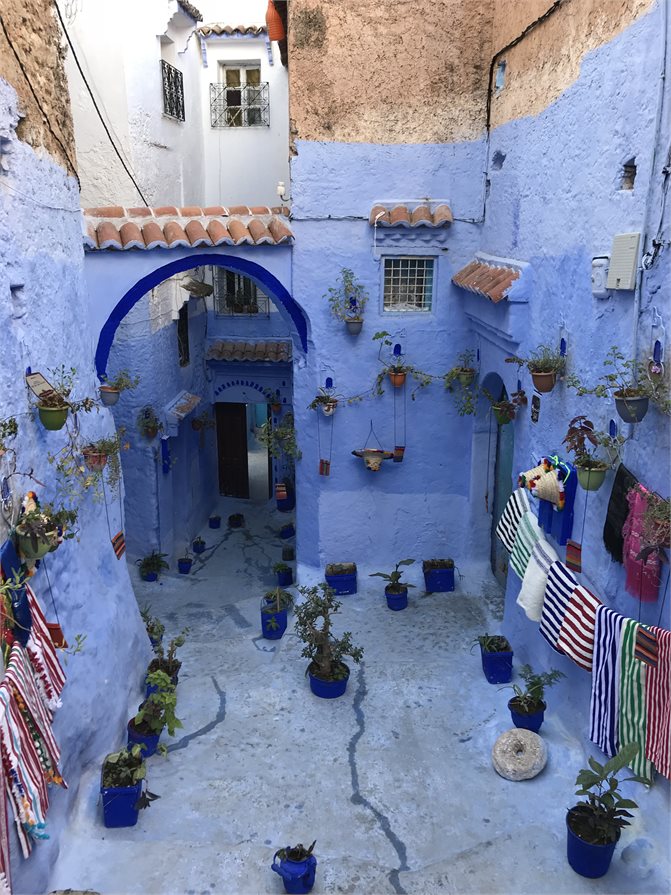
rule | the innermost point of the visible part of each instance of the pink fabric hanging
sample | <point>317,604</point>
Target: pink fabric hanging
<point>658,705</point>
<point>642,578</point>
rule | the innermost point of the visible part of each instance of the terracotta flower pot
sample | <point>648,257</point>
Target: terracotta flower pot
<point>94,460</point>
<point>544,382</point>
<point>108,395</point>
<point>397,379</point>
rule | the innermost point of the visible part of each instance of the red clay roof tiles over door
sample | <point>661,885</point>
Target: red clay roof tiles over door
<point>489,280</point>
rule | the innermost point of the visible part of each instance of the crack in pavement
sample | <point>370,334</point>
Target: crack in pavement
<point>218,719</point>
<point>357,799</point>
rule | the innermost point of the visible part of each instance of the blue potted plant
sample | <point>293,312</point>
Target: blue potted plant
<point>166,660</point>
<point>156,712</point>
<point>274,609</point>
<point>287,531</point>
<point>497,658</point>
<point>341,576</point>
<point>297,866</point>
<point>214,521</point>
<point>121,784</point>
<point>198,545</point>
<point>155,627</point>
<point>395,592</point>
<point>184,563</point>
<point>527,706</point>
<point>152,565</point>
<point>438,575</point>
<point>285,576</point>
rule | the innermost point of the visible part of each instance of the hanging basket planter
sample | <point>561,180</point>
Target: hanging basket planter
<point>94,460</point>
<point>631,408</point>
<point>397,379</point>
<point>108,395</point>
<point>544,382</point>
<point>466,377</point>
<point>501,415</point>
<point>591,478</point>
<point>354,327</point>
<point>373,457</point>
<point>52,418</point>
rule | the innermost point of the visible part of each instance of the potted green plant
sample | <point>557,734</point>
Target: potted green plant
<point>8,429</point>
<point>274,608</point>
<point>327,672</point>
<point>395,367</point>
<point>284,574</point>
<point>54,405</point>
<point>591,468</point>
<point>111,389</point>
<point>281,439</point>
<point>395,591</point>
<point>123,773</point>
<point>185,562</point>
<point>545,364</point>
<point>326,400</point>
<point>156,712</point>
<point>41,528</point>
<point>656,526</point>
<point>496,655</point>
<point>148,422</point>
<point>166,660</point>
<point>106,452</point>
<point>198,545</point>
<point>527,706</point>
<point>341,576</point>
<point>464,374</point>
<point>155,627</point>
<point>593,826</point>
<point>629,382</point>
<point>214,521</point>
<point>505,409</point>
<point>347,301</point>
<point>152,565</point>
<point>438,575</point>
<point>296,865</point>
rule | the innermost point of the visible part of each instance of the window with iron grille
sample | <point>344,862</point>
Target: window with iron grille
<point>235,294</point>
<point>408,284</point>
<point>241,99</point>
<point>173,91</point>
<point>183,336</point>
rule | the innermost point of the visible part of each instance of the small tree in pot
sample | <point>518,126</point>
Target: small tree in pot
<point>328,673</point>
<point>527,706</point>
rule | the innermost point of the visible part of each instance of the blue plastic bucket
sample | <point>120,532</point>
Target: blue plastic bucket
<point>119,805</point>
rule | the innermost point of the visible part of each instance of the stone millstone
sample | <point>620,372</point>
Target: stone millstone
<point>519,754</point>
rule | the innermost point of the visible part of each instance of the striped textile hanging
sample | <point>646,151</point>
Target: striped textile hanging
<point>633,715</point>
<point>528,532</point>
<point>560,586</point>
<point>605,698</point>
<point>647,646</point>
<point>49,675</point>
<point>576,635</point>
<point>658,705</point>
<point>535,580</point>
<point>5,878</point>
<point>506,529</point>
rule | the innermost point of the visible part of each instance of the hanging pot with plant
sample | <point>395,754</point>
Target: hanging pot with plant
<point>40,529</point>
<point>545,364</point>
<point>148,422</point>
<point>347,301</point>
<point>111,389</point>
<point>326,400</point>
<point>591,469</point>
<point>55,402</point>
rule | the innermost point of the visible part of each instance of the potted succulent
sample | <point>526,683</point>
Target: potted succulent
<point>496,654</point>
<point>148,422</point>
<point>185,562</point>
<point>341,576</point>
<point>347,301</point>
<point>629,382</point>
<point>111,389</point>
<point>284,574</point>
<point>545,364</point>
<point>327,400</point>
<point>591,469</point>
<point>40,529</point>
<point>297,867</point>
<point>121,784</point>
<point>395,591</point>
<point>54,405</point>
<point>167,661</point>
<point>198,545</point>
<point>527,706</point>
<point>593,827</point>
<point>152,565</point>
<point>438,575</point>
<point>155,627</point>
<point>274,608</point>
<point>155,713</point>
<point>327,672</point>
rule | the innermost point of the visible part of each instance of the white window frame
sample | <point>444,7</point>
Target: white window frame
<point>243,67</point>
<point>405,256</point>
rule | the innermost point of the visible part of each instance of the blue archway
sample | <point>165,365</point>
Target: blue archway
<point>268,281</point>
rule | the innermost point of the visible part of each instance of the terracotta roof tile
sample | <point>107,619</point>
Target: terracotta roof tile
<point>191,226</point>
<point>490,280</point>
<point>400,215</point>
<point>190,10</point>
<point>216,30</point>
<point>229,350</point>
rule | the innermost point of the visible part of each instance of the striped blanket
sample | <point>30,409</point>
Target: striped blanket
<point>532,593</point>
<point>576,635</point>
<point>560,586</point>
<point>49,675</point>
<point>605,698</point>
<point>632,705</point>
<point>506,529</point>
<point>528,532</point>
<point>658,705</point>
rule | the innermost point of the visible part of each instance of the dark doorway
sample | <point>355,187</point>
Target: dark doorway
<point>232,450</point>
<point>503,470</point>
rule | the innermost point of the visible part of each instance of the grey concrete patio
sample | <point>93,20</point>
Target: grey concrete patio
<point>394,780</point>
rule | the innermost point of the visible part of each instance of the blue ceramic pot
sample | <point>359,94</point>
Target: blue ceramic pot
<point>284,579</point>
<point>343,585</point>
<point>529,721</point>
<point>396,601</point>
<point>119,805</point>
<point>439,580</point>
<point>287,531</point>
<point>498,667</point>
<point>198,546</point>
<point>150,742</point>
<point>149,576</point>
<point>184,566</point>
<point>328,689</point>
<point>285,504</point>
<point>273,624</point>
<point>585,858</point>
<point>214,522</point>
<point>298,876</point>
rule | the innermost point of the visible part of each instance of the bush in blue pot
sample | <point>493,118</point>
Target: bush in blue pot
<point>284,574</point>
<point>497,658</point>
<point>274,608</point>
<point>395,591</point>
<point>121,785</point>
<point>341,576</point>
<point>156,712</point>
<point>527,706</point>
<point>297,866</point>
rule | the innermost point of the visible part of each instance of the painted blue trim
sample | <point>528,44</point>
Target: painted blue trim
<point>269,282</point>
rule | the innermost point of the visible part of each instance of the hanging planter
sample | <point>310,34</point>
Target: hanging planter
<point>52,418</point>
<point>373,457</point>
<point>544,382</point>
<point>326,400</point>
<point>591,478</point>
<point>95,460</point>
<point>354,326</point>
<point>397,377</point>
<point>631,407</point>
<point>274,23</point>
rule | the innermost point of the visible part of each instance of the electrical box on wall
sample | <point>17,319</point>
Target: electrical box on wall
<point>599,276</point>
<point>623,261</point>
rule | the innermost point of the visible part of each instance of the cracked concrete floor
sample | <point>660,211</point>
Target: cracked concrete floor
<point>394,780</point>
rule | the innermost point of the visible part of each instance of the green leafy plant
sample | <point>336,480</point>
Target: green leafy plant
<point>625,378</point>
<point>600,819</point>
<point>148,422</point>
<point>81,470</point>
<point>153,562</point>
<point>280,440</point>
<point>348,299</point>
<point>313,626</point>
<point>506,408</point>
<point>395,364</point>
<point>394,578</point>
<point>123,381</point>
<point>656,526</point>
<point>325,397</point>
<point>166,660</point>
<point>127,768</point>
<point>62,381</point>
<point>158,709</point>
<point>462,375</point>
<point>493,643</point>
<point>8,429</point>
<point>281,567</point>
<point>543,360</point>
<point>579,436</point>
<point>276,600</point>
<point>155,627</point>
<point>531,698</point>
<point>295,852</point>
<point>46,523</point>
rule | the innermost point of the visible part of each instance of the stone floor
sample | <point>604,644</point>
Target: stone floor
<point>394,780</point>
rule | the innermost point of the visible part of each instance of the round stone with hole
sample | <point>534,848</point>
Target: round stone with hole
<point>519,754</point>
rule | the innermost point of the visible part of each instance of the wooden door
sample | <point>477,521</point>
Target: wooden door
<point>232,450</point>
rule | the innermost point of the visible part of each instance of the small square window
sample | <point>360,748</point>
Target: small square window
<point>408,284</point>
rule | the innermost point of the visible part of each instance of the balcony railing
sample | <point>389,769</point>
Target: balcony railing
<point>173,91</point>
<point>244,106</point>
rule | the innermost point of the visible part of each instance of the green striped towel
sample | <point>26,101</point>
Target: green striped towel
<point>633,716</point>
<point>528,533</point>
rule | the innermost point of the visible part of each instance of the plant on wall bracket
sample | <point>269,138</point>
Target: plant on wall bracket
<point>280,440</point>
<point>347,301</point>
<point>505,409</point>
<point>460,380</point>
<point>396,368</point>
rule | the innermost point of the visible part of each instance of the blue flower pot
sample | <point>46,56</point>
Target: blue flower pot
<point>396,601</point>
<point>529,721</point>
<point>269,620</point>
<point>343,585</point>
<point>498,667</point>
<point>198,546</point>
<point>439,580</point>
<point>149,576</point>
<point>150,742</point>
<point>287,531</point>
<point>585,858</point>
<point>298,876</point>
<point>184,566</point>
<point>214,522</point>
<point>328,689</point>
<point>285,579</point>
<point>119,805</point>
<point>285,504</point>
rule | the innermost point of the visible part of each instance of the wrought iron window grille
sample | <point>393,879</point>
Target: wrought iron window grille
<point>237,296</point>
<point>247,105</point>
<point>173,91</point>
<point>408,284</point>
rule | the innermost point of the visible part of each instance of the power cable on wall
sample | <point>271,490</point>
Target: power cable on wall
<point>97,108</point>
<point>72,165</point>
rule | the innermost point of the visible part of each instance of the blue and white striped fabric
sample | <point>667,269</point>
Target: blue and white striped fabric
<point>515,508</point>
<point>560,586</point>
<point>604,703</point>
